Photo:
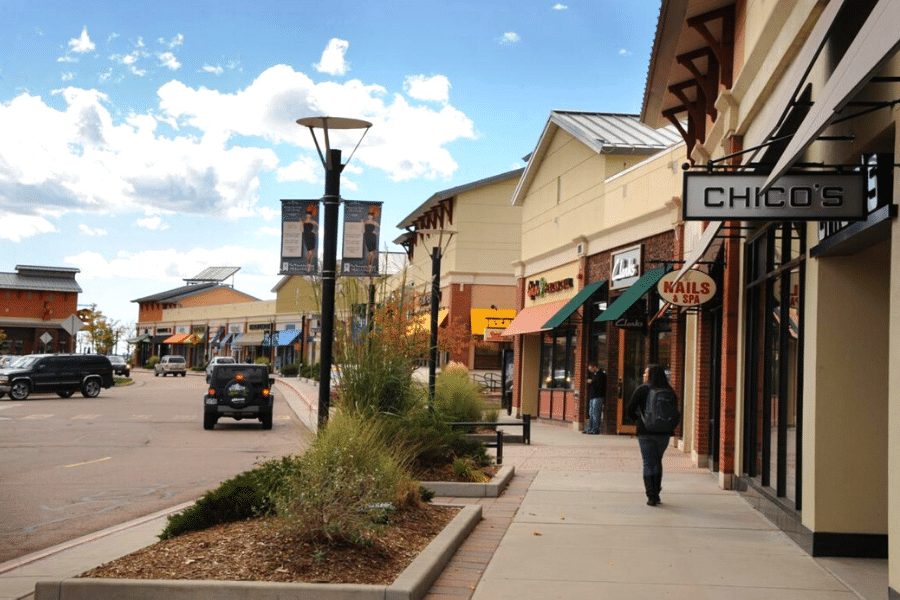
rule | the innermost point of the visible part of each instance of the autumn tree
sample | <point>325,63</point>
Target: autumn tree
<point>100,331</point>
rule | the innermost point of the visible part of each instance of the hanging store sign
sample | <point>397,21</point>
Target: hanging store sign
<point>626,268</point>
<point>806,197</point>
<point>693,289</point>
<point>362,223</point>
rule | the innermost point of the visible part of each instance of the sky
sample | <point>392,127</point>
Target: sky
<point>141,143</point>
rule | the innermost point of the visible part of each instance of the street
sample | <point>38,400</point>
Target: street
<point>70,467</point>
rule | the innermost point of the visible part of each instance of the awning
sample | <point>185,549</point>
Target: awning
<point>194,338</point>
<point>423,321</point>
<point>227,339</point>
<point>706,240</point>
<point>251,338</point>
<point>875,43</point>
<point>285,337</point>
<point>178,338</point>
<point>141,338</point>
<point>572,305</point>
<point>637,289</point>
<point>218,336</point>
<point>532,319</point>
<point>494,318</point>
<point>159,339</point>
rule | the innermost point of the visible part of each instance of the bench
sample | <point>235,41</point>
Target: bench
<point>525,424</point>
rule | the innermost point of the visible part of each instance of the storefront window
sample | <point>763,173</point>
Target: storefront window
<point>558,360</point>
<point>773,357</point>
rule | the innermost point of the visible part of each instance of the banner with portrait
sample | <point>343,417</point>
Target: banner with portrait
<point>362,225</point>
<point>299,237</point>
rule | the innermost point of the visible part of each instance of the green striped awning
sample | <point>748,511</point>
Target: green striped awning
<point>637,289</point>
<point>572,305</point>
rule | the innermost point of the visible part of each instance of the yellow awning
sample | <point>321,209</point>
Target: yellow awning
<point>423,321</point>
<point>495,318</point>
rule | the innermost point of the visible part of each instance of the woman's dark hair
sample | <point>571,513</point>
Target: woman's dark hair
<point>657,377</point>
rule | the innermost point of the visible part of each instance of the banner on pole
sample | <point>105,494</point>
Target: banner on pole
<point>362,225</point>
<point>299,237</point>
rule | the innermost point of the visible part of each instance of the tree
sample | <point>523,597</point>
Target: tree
<point>101,332</point>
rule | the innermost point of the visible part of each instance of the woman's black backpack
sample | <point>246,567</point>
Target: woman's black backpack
<point>661,414</point>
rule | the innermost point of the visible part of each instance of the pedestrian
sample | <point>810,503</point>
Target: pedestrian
<point>652,445</point>
<point>596,380</point>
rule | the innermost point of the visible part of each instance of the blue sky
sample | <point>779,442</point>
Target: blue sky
<point>144,142</point>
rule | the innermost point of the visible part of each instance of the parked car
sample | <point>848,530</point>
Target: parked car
<point>218,360</point>
<point>170,364</point>
<point>120,366</point>
<point>239,391</point>
<point>63,374</point>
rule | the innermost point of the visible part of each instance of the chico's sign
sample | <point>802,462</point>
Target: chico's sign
<point>807,197</point>
<point>693,289</point>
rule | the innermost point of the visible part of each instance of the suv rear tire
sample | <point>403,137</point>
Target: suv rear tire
<point>19,390</point>
<point>209,420</point>
<point>65,394</point>
<point>266,419</point>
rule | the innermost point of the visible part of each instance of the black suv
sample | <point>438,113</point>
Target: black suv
<point>240,392</point>
<point>63,374</point>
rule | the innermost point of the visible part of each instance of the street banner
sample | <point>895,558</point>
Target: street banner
<point>299,237</point>
<point>362,224</point>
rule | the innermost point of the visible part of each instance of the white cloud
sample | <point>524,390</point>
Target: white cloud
<point>91,232</point>
<point>560,7</point>
<point>215,70</point>
<point>435,88</point>
<point>83,44</point>
<point>623,52</point>
<point>269,231</point>
<point>510,37</point>
<point>305,169</point>
<point>67,76</point>
<point>154,223</point>
<point>333,61</point>
<point>167,59</point>
<point>18,227</point>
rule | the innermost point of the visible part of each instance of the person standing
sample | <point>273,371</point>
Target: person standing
<point>652,445</point>
<point>596,395</point>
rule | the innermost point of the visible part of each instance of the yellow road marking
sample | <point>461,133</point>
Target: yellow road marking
<point>38,416</point>
<point>90,462</point>
<point>84,417</point>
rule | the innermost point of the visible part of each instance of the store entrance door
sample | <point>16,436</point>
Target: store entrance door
<point>631,374</point>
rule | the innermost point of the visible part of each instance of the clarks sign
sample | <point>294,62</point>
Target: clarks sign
<point>808,197</point>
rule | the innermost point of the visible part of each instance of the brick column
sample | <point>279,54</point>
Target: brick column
<point>730,347</point>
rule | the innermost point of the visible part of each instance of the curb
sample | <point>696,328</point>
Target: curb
<point>454,489</point>
<point>412,584</point>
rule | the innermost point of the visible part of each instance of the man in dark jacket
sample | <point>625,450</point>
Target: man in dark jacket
<point>596,396</point>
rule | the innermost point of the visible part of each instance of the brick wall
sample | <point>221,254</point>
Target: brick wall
<point>36,304</point>
<point>459,303</point>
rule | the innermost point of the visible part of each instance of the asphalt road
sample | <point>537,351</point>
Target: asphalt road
<point>70,467</point>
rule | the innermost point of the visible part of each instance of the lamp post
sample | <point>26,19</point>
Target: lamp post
<point>436,255</point>
<point>331,160</point>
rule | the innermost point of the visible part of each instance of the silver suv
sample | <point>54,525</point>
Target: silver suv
<point>218,360</point>
<point>171,364</point>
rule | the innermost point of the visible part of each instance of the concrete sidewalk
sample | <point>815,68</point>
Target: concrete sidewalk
<point>572,524</point>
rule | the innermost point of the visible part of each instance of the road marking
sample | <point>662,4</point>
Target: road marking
<point>9,406</point>
<point>185,418</point>
<point>283,418</point>
<point>90,462</point>
<point>144,417</point>
<point>85,417</point>
<point>38,416</point>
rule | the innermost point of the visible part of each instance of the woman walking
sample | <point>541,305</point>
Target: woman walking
<point>653,444</point>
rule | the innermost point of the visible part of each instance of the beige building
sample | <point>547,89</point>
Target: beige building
<point>478,234</point>
<point>803,402</point>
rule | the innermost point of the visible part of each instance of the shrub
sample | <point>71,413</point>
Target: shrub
<point>250,494</point>
<point>344,483</point>
<point>290,370</point>
<point>152,362</point>
<point>310,371</point>
<point>456,397</point>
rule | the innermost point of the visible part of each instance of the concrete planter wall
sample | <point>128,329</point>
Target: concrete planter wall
<point>491,489</point>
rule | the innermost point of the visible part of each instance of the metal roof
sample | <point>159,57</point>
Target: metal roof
<point>179,293</point>
<point>455,191</point>
<point>215,274</point>
<point>45,279</point>
<point>604,133</point>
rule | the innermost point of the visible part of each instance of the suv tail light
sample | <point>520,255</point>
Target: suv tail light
<point>211,391</point>
<point>266,391</point>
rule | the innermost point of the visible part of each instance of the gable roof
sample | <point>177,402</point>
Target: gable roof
<point>38,278</point>
<point>436,199</point>
<point>186,291</point>
<point>606,133</point>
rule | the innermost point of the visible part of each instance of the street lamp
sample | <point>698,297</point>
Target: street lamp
<point>436,253</point>
<point>331,160</point>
